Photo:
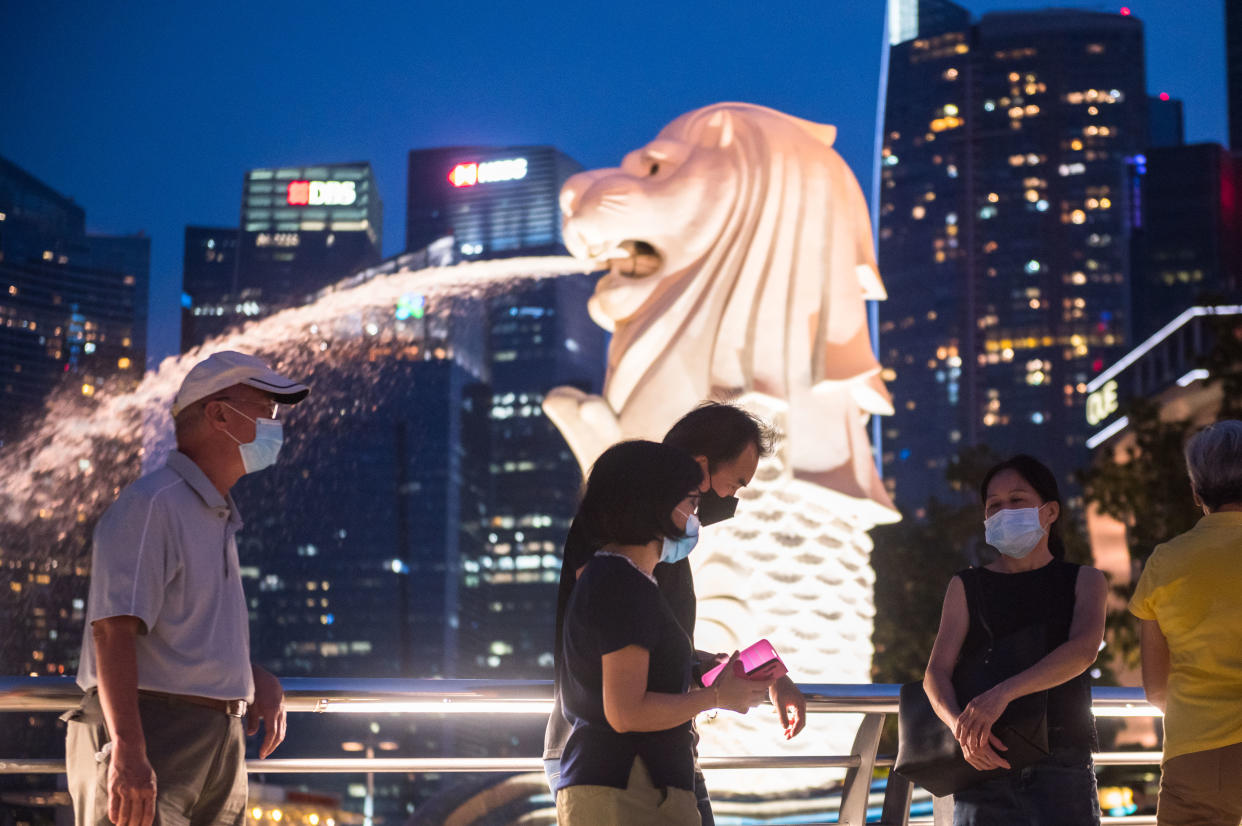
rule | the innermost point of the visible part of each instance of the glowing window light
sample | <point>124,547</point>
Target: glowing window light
<point>411,306</point>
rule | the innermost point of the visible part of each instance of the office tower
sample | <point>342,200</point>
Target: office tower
<point>496,202</point>
<point>499,202</point>
<point>73,307</point>
<point>209,264</point>
<point>1186,248</point>
<point>1233,70</point>
<point>302,229</point>
<point>540,338</point>
<point>1007,202</point>
<point>908,19</point>
<point>354,540</point>
<point>73,311</point>
<point>1166,125</point>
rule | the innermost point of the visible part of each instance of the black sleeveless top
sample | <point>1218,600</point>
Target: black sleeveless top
<point>1042,596</point>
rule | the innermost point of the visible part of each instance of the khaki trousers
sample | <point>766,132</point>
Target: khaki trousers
<point>1203,788</point>
<point>198,754</point>
<point>640,803</point>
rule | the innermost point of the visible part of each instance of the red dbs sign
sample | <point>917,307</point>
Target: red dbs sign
<point>299,193</point>
<point>464,174</point>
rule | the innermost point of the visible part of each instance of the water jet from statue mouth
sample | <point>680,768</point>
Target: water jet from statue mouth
<point>635,259</point>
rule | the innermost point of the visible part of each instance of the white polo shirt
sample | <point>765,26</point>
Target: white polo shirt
<point>166,553</point>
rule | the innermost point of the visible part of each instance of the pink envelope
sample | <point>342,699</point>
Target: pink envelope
<point>758,662</point>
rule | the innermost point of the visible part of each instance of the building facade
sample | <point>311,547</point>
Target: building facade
<point>73,307</point>
<point>303,228</point>
<point>496,202</point>
<point>1186,247</point>
<point>1007,201</point>
<point>209,267</point>
<point>502,202</point>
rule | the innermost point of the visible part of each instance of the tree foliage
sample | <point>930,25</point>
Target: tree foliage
<point>1145,485</point>
<point>914,560</point>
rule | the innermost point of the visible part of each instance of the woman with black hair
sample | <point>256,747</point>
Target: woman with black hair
<point>624,661</point>
<point>1029,584</point>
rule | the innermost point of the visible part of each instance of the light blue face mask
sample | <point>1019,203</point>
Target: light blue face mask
<point>1014,531</point>
<point>262,452</point>
<point>675,550</point>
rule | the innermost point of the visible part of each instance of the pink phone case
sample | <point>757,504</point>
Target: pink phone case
<point>753,659</point>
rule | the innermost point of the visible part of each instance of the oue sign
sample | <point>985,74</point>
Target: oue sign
<point>488,172</point>
<point>322,193</point>
<point>1102,403</point>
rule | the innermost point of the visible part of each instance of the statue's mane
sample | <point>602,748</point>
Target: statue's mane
<point>794,254</point>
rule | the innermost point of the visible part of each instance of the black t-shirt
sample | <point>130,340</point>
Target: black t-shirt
<point>676,584</point>
<point>1044,596</point>
<point>614,605</point>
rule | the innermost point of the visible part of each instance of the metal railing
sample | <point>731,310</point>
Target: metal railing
<point>475,697</point>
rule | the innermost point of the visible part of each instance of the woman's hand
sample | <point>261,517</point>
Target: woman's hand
<point>738,693</point>
<point>974,724</point>
<point>985,757</point>
<point>706,660</point>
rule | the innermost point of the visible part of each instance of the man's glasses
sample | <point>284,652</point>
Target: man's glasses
<point>271,408</point>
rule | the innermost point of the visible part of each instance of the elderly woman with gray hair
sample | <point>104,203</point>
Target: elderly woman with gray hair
<point>1189,599</point>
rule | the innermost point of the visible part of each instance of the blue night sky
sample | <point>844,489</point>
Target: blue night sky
<point>148,114</point>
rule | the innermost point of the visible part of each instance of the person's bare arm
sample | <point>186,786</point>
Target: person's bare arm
<point>938,679</point>
<point>1157,663</point>
<point>1066,661</point>
<point>131,780</point>
<point>629,706</point>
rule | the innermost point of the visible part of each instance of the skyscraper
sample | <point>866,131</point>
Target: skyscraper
<point>1166,122</point>
<point>73,307</point>
<point>209,265</point>
<point>500,202</point>
<point>1007,203</point>
<point>540,338</point>
<point>496,201</point>
<point>1186,248</point>
<point>302,229</point>
<point>1233,70</point>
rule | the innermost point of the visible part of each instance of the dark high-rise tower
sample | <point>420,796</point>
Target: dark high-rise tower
<point>72,306</point>
<point>496,201</point>
<point>500,202</point>
<point>1233,70</point>
<point>1166,123</point>
<point>1186,248</point>
<point>1007,203</point>
<point>209,267</point>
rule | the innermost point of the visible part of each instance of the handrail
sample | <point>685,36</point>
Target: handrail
<point>422,696</point>
<point>415,696</point>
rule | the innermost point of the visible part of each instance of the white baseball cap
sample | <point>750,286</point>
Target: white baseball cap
<point>227,368</point>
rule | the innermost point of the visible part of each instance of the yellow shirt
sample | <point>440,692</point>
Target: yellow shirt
<point>1192,586</point>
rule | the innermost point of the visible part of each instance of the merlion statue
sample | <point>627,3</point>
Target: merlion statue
<point>740,259</point>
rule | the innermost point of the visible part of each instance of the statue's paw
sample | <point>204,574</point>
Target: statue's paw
<point>585,420</point>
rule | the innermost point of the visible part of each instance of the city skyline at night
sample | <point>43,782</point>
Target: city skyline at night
<point>169,129</point>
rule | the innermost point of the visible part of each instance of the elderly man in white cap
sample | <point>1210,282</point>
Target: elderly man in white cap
<point>166,663</point>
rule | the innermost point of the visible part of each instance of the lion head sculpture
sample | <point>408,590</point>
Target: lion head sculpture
<point>740,262</point>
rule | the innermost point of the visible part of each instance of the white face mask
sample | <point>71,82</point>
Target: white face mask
<point>1014,531</point>
<point>262,452</point>
<point>675,550</point>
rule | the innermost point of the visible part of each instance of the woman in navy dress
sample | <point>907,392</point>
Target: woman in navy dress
<point>624,661</point>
